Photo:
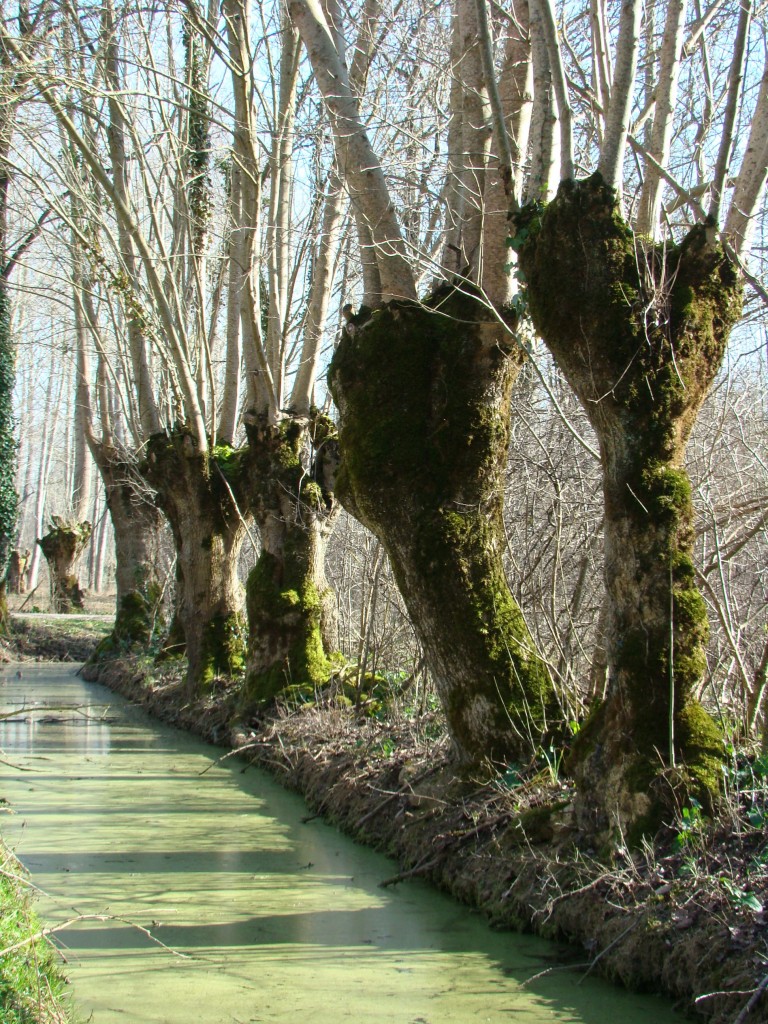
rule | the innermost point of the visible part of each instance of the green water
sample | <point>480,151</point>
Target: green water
<point>266,918</point>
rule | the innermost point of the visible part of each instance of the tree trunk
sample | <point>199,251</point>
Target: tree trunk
<point>639,331</point>
<point>292,615</point>
<point>18,571</point>
<point>9,499</point>
<point>62,547</point>
<point>137,523</point>
<point>200,495</point>
<point>424,395</point>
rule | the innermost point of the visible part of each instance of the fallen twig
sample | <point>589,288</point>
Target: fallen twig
<point>420,868</point>
<point>18,767</point>
<point>234,753</point>
<point>45,933</point>
<point>608,948</point>
<point>550,970</point>
<point>400,792</point>
<point>752,1002</point>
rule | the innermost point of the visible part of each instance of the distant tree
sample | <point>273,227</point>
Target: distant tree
<point>26,24</point>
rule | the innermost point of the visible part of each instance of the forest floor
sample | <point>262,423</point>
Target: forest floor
<point>685,916</point>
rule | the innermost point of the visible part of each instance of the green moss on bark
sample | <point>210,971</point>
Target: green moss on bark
<point>204,500</point>
<point>135,622</point>
<point>284,615</point>
<point>290,606</point>
<point>424,394</point>
<point>223,648</point>
<point>639,330</point>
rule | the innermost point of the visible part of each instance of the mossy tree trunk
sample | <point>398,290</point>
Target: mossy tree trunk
<point>18,569</point>
<point>424,395</point>
<point>62,547</point>
<point>639,331</point>
<point>138,526</point>
<point>200,496</point>
<point>292,612</point>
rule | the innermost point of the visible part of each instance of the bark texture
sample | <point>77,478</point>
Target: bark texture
<point>291,608</point>
<point>138,525</point>
<point>639,331</point>
<point>200,496</point>
<point>62,547</point>
<point>424,395</point>
<point>18,571</point>
<point>9,499</point>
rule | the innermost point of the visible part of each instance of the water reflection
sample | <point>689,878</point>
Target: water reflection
<point>272,918</point>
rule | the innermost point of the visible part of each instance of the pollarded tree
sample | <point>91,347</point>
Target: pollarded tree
<point>424,388</point>
<point>139,217</point>
<point>639,324</point>
<point>162,203</point>
<point>111,420</point>
<point>69,534</point>
<point>114,441</point>
<point>290,456</point>
<point>164,283</point>
<point>62,546</point>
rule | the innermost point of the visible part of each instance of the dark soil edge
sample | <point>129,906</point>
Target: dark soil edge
<point>638,923</point>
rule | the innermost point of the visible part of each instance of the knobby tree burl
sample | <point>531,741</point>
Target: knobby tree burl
<point>62,546</point>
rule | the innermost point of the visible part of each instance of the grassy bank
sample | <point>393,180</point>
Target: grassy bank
<point>32,987</point>
<point>42,637</point>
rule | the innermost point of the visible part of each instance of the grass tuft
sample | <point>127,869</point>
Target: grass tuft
<point>32,987</point>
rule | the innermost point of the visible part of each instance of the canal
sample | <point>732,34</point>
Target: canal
<point>220,904</point>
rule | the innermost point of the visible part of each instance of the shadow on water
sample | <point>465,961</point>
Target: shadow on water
<point>265,918</point>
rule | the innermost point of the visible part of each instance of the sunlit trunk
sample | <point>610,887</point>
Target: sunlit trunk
<point>639,332</point>
<point>138,525</point>
<point>291,608</point>
<point>18,572</point>
<point>199,495</point>
<point>424,399</point>
<point>62,546</point>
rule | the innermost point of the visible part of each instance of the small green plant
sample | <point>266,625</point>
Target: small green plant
<point>384,748</point>
<point>749,781</point>
<point>511,779</point>
<point>552,758</point>
<point>740,898</point>
<point>757,816</point>
<point>690,826</point>
<point>688,869</point>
